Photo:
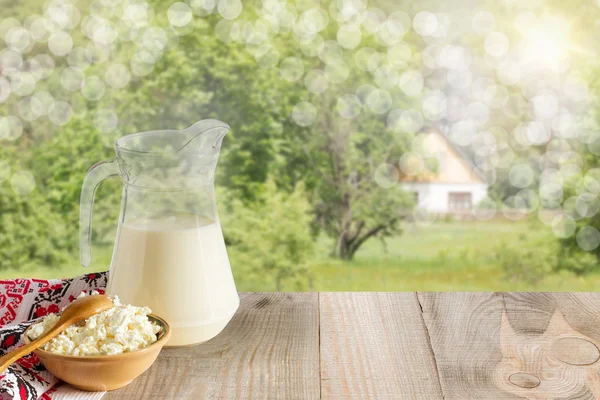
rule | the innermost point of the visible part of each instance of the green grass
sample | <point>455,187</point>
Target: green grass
<point>101,256</point>
<point>454,256</point>
<point>442,257</point>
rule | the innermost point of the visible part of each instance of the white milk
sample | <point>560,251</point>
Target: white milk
<point>180,269</point>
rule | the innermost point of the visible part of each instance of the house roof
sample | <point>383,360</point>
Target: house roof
<point>429,176</point>
<point>464,156</point>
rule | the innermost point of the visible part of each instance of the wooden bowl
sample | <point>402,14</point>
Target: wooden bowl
<point>108,372</point>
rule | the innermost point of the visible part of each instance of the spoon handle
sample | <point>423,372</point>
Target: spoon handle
<point>13,356</point>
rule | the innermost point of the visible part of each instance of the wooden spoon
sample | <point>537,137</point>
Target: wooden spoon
<point>77,311</point>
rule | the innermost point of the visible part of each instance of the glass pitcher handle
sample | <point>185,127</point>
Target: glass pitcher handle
<point>93,178</point>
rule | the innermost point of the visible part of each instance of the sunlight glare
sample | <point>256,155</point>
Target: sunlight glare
<point>547,42</point>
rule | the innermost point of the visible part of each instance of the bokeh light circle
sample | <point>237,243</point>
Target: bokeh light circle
<point>434,105</point>
<point>10,61</point>
<point>179,14</point>
<point>587,205</point>
<point>60,113</point>
<point>44,101</point>
<point>93,88</point>
<point>60,43</point>
<point>28,109</point>
<point>563,226</point>
<point>117,76</point>
<point>386,176</point>
<point>19,39</point>
<point>77,58</point>
<point>268,58</point>
<point>386,77</point>
<point>22,83</point>
<point>72,79</point>
<point>316,81</point>
<point>399,54</point>
<point>425,23</point>
<point>11,128</point>
<point>349,36</point>
<point>367,58</point>
<point>291,69</point>
<point>408,121</point>
<point>379,101</point>
<point>106,120</point>
<point>330,52</point>
<point>521,176</point>
<point>230,9</point>
<point>40,30</point>
<point>348,106</point>
<point>588,238</point>
<point>22,183</point>
<point>46,63</point>
<point>142,63</point>
<point>411,82</point>
<point>304,113</point>
<point>337,72</point>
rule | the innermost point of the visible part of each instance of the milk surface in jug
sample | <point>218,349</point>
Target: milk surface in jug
<point>179,268</point>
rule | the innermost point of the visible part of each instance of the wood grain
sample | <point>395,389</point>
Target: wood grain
<point>401,346</point>
<point>571,326</point>
<point>464,330</point>
<point>515,345</point>
<point>270,350</point>
<point>375,346</point>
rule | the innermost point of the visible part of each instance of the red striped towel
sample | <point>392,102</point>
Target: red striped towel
<point>22,302</point>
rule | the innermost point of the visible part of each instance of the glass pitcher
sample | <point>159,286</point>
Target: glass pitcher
<point>170,253</point>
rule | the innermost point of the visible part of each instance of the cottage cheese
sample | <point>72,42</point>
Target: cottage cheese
<point>120,329</point>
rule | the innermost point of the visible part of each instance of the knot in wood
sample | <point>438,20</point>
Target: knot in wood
<point>523,380</point>
<point>575,351</point>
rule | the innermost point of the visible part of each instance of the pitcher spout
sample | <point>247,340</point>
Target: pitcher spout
<point>172,159</point>
<point>204,136</point>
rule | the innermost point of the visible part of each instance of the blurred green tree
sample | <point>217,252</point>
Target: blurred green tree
<point>270,236</point>
<point>39,227</point>
<point>336,157</point>
<point>350,206</point>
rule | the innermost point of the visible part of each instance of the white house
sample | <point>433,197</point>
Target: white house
<point>456,186</point>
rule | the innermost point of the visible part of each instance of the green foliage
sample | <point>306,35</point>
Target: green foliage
<point>204,77</point>
<point>42,227</point>
<point>31,234</point>
<point>269,239</point>
<point>578,190</point>
<point>60,164</point>
<point>350,206</point>
<point>576,261</point>
<point>529,262</point>
<point>573,258</point>
<point>322,174</point>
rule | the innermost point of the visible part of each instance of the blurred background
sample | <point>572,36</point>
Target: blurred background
<point>380,145</point>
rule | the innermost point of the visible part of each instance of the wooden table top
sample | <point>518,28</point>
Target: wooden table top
<point>424,346</point>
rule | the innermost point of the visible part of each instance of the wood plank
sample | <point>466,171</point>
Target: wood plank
<point>515,345</point>
<point>375,346</point>
<point>464,329</point>
<point>566,327</point>
<point>270,350</point>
